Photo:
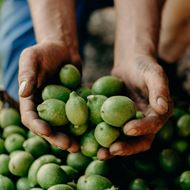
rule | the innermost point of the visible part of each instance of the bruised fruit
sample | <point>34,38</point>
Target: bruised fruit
<point>53,111</point>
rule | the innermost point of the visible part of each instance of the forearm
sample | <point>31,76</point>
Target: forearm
<point>138,26</point>
<point>54,21</point>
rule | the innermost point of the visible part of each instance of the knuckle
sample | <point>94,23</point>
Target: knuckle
<point>28,53</point>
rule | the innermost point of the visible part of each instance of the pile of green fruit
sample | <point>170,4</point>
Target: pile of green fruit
<point>95,114</point>
<point>28,162</point>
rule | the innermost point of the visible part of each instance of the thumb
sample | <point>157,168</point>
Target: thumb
<point>157,84</point>
<point>28,68</point>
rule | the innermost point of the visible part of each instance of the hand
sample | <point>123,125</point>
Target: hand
<point>148,87</point>
<point>36,64</point>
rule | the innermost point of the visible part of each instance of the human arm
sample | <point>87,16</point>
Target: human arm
<point>56,36</point>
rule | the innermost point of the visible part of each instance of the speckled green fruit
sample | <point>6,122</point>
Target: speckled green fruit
<point>19,163</point>
<point>11,129</point>
<point>6,183</point>
<point>106,134</point>
<point>84,92</point>
<point>70,76</point>
<point>94,104</point>
<point>93,182</point>
<point>9,116</point>
<point>78,161</point>
<point>61,187</point>
<point>89,145</point>
<point>97,167</point>
<point>14,142</point>
<point>4,166</point>
<point>107,86</point>
<point>183,124</point>
<point>56,92</point>
<point>72,174</point>
<point>78,130</point>
<point>53,111</point>
<point>23,184</point>
<point>51,174</point>
<point>117,110</point>
<point>36,146</point>
<point>76,109</point>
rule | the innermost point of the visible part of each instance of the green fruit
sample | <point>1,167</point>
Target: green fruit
<point>36,146</point>
<point>180,146</point>
<point>78,161</point>
<point>94,104</point>
<point>184,125</point>
<point>36,188</point>
<point>53,111</point>
<point>30,134</point>
<point>70,76</point>
<point>50,174</point>
<point>56,92</point>
<point>33,170</point>
<point>93,182</point>
<point>78,130</point>
<point>97,167</point>
<point>76,109</point>
<point>9,116</point>
<point>12,154</point>
<point>89,145</point>
<point>84,92</point>
<point>6,183</point>
<point>178,112</point>
<point>169,160</point>
<point>14,142</point>
<point>139,115</point>
<point>59,152</point>
<point>72,174</point>
<point>138,184</point>
<point>107,86</point>
<point>184,180</point>
<point>23,184</point>
<point>4,164</point>
<point>106,134</point>
<point>116,110</point>
<point>61,187</point>
<point>73,185</point>
<point>19,163</point>
<point>2,146</point>
<point>12,129</point>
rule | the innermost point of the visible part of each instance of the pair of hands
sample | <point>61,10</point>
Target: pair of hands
<point>144,78</point>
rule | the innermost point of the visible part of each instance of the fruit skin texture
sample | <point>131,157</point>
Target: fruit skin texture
<point>97,167</point>
<point>11,129</point>
<point>53,111</point>
<point>138,184</point>
<point>56,92</point>
<point>184,125</point>
<point>76,109</point>
<point>94,104</point>
<point>23,184</point>
<point>6,183</point>
<point>89,145</point>
<point>33,170</point>
<point>61,187</point>
<point>51,174</point>
<point>116,110</point>
<point>184,180</point>
<point>20,163</point>
<point>9,116</point>
<point>106,134</point>
<point>4,164</point>
<point>70,76</point>
<point>107,86</point>
<point>78,161</point>
<point>93,182</point>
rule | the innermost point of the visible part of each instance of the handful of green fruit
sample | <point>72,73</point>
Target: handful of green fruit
<point>97,114</point>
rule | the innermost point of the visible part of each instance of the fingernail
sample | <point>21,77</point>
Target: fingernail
<point>131,132</point>
<point>162,103</point>
<point>22,88</point>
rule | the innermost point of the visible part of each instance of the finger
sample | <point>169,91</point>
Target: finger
<point>28,70</point>
<point>150,124</point>
<point>104,154</point>
<point>125,148</point>
<point>30,118</point>
<point>158,90</point>
<point>59,140</point>
<point>74,147</point>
